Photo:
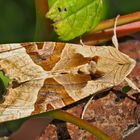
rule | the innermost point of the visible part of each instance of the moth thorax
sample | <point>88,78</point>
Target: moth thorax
<point>89,68</point>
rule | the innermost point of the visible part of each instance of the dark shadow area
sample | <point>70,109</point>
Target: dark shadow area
<point>61,128</point>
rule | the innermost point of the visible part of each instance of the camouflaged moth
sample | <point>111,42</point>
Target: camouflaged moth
<point>46,76</point>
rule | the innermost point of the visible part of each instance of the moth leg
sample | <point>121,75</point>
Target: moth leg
<point>86,106</point>
<point>114,37</point>
<point>131,84</point>
<point>81,42</point>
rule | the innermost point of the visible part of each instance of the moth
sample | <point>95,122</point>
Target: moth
<point>49,75</point>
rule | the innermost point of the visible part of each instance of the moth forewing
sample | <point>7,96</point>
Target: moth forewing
<point>26,78</point>
<point>112,67</point>
<point>46,76</point>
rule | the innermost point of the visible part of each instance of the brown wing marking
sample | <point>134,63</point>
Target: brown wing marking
<point>51,96</point>
<point>60,91</point>
<point>74,83</point>
<point>45,54</point>
<point>70,59</point>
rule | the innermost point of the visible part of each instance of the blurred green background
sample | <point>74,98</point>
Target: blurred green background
<point>17,20</point>
<point>121,7</point>
<point>18,17</point>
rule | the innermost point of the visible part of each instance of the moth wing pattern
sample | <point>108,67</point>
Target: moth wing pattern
<point>26,78</point>
<point>69,86</point>
<point>48,75</point>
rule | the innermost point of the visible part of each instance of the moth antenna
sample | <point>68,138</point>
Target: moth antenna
<point>131,84</point>
<point>114,37</point>
<point>86,106</point>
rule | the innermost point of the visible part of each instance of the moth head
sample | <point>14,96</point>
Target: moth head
<point>90,69</point>
<point>107,64</point>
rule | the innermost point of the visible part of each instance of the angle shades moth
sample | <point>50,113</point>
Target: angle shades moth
<point>49,75</point>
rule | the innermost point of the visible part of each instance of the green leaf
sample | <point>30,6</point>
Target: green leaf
<point>75,17</point>
<point>126,89</point>
<point>51,2</point>
<point>4,79</point>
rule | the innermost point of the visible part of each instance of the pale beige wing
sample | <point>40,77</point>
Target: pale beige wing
<point>26,79</point>
<point>19,101</point>
<point>110,69</point>
<point>46,76</point>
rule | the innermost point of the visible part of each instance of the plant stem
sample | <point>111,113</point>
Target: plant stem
<point>102,32</point>
<point>122,20</point>
<point>100,37</point>
<point>12,126</point>
<point>64,116</point>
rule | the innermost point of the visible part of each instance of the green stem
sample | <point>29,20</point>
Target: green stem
<point>122,20</point>
<point>64,116</point>
<point>129,24</point>
<point>60,115</point>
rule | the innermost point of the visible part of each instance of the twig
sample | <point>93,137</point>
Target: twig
<point>122,20</point>
<point>104,31</point>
